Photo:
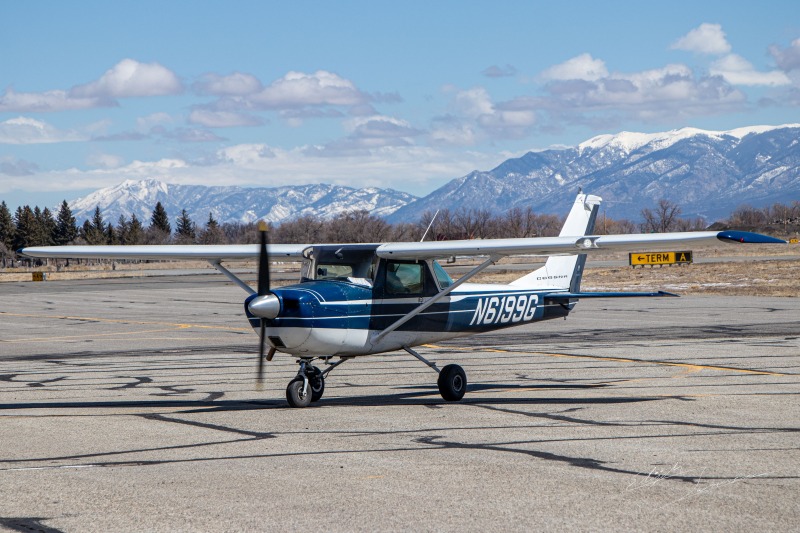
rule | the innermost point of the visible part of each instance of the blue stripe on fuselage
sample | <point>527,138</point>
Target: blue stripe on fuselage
<point>340,305</point>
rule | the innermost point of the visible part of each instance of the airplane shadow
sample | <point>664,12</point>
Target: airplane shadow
<point>426,397</point>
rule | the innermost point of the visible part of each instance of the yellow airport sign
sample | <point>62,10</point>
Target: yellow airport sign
<point>793,241</point>
<point>660,258</point>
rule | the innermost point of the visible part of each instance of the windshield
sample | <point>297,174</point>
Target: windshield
<point>442,277</point>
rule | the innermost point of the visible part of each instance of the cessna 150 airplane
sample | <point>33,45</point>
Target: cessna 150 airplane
<point>363,299</point>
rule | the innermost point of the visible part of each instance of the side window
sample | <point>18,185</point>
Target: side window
<point>404,278</point>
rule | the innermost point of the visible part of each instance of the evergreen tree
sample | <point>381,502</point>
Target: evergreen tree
<point>160,220</point>
<point>25,232</point>
<point>38,233</point>
<point>86,231</point>
<point>66,228</point>
<point>134,233</point>
<point>111,235</point>
<point>96,232</point>
<point>7,227</point>
<point>185,231</point>
<point>48,228</point>
<point>212,234</point>
<point>122,230</point>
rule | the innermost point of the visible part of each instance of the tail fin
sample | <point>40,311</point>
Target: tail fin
<point>565,271</point>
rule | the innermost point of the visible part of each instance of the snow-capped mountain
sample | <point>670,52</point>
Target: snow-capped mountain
<point>235,204</point>
<point>707,173</point>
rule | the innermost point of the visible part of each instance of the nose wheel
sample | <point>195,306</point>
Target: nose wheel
<point>308,385</point>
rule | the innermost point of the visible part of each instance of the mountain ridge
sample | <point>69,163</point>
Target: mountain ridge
<point>707,173</point>
<point>233,203</point>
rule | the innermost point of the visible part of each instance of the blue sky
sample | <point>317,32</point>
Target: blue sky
<point>404,95</point>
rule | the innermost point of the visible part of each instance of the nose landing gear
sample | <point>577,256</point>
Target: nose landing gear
<point>309,384</point>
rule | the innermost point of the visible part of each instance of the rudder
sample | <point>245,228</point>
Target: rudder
<point>566,271</point>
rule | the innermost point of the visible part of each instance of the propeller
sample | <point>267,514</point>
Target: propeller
<point>263,300</point>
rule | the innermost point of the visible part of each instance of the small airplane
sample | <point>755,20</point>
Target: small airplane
<point>363,299</point>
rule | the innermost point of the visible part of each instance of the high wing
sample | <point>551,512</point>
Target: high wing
<point>564,245</point>
<point>496,248</point>
<point>204,252</point>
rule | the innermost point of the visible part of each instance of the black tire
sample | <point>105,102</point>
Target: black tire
<point>316,383</point>
<point>294,394</point>
<point>452,383</point>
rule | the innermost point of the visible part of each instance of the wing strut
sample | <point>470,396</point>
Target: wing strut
<point>420,308</point>
<point>231,276</point>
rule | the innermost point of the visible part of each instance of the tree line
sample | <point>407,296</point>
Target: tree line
<point>40,227</point>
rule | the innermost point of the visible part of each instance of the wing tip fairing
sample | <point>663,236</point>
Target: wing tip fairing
<point>747,237</point>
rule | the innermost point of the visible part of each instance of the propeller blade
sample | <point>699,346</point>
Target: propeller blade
<point>260,374</point>
<point>263,289</point>
<point>263,260</point>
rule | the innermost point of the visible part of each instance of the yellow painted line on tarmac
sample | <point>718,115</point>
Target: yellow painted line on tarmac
<point>92,335</point>
<point>125,321</point>
<point>690,367</point>
<point>166,326</point>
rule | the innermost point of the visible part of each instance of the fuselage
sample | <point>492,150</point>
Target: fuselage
<point>338,317</point>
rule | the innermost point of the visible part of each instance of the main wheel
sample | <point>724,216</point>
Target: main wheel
<point>316,383</point>
<point>452,383</point>
<point>295,396</point>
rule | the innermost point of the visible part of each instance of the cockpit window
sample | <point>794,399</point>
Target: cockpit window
<point>354,263</point>
<point>404,278</point>
<point>442,277</point>
<point>341,272</point>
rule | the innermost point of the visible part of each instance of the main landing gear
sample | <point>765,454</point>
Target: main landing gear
<point>309,383</point>
<point>452,378</point>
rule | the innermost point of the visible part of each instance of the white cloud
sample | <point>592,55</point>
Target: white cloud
<point>104,161</point>
<point>705,39</point>
<point>49,101</point>
<point>236,84</point>
<point>738,71</point>
<point>297,89</point>
<point>129,78</point>
<point>23,130</point>
<point>499,72</point>
<point>448,130</point>
<point>582,67</point>
<point>146,123</point>
<point>473,103</point>
<point>380,126</point>
<point>474,110</point>
<point>222,119</point>
<point>11,166</point>
<point>245,155</point>
<point>787,59</point>
<point>673,91</point>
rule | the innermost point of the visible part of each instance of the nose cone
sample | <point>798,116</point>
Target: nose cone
<point>266,306</point>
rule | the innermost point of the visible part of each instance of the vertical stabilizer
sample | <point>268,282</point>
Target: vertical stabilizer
<point>565,271</point>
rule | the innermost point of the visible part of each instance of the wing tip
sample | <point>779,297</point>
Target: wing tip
<point>747,237</point>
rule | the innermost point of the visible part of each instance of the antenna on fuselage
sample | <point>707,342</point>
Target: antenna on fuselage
<point>429,225</point>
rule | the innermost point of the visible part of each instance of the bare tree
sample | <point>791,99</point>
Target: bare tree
<point>662,219</point>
